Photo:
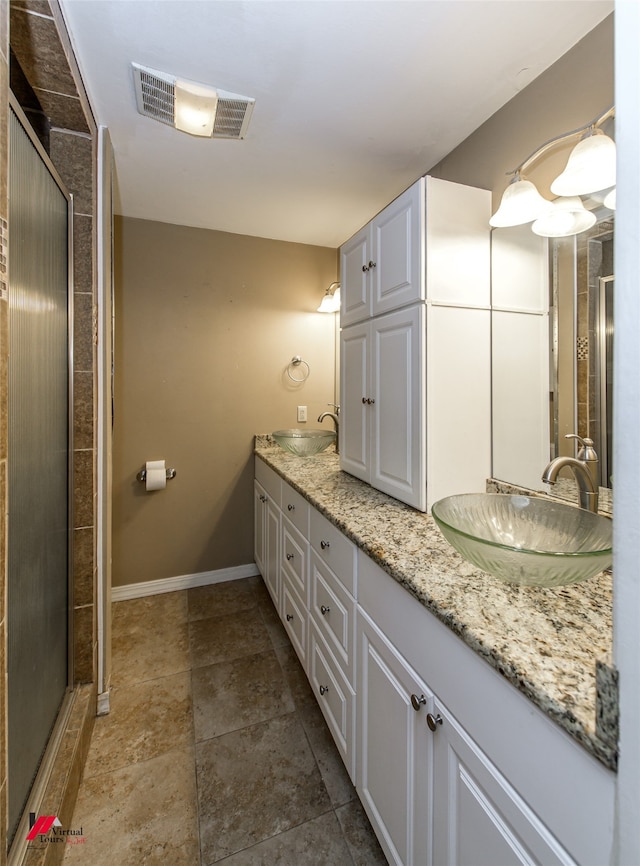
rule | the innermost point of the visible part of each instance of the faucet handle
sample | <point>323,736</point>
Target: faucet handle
<point>586,452</point>
<point>335,406</point>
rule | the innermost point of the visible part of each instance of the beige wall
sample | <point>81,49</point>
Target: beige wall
<point>206,323</point>
<point>575,90</point>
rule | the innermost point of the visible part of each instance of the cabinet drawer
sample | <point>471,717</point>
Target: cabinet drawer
<point>295,619</point>
<point>294,559</point>
<point>335,697</point>
<point>270,480</point>
<point>334,549</point>
<point>295,508</point>
<point>333,610</point>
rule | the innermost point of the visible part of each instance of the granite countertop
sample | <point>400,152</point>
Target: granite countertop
<point>547,642</point>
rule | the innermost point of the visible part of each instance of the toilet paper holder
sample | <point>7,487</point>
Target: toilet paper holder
<point>142,475</point>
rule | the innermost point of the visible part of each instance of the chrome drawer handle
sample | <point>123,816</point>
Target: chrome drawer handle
<point>263,498</point>
<point>324,610</point>
<point>289,556</point>
<point>291,507</point>
<point>324,690</point>
<point>289,617</point>
<point>324,545</point>
<point>433,721</point>
<point>416,701</point>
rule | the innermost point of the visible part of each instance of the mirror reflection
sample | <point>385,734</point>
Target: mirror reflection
<point>552,348</point>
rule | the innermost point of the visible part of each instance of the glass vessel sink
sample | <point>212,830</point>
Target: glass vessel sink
<point>526,540</point>
<point>304,443</point>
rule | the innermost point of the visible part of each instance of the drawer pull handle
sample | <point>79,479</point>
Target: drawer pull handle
<point>291,507</point>
<point>289,556</point>
<point>263,498</point>
<point>433,721</point>
<point>416,701</point>
<point>372,264</point>
<point>324,545</point>
<point>324,690</point>
<point>289,617</point>
<point>324,610</point>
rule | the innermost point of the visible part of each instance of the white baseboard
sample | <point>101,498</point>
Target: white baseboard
<point>183,581</point>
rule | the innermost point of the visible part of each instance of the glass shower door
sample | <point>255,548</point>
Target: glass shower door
<point>38,462</point>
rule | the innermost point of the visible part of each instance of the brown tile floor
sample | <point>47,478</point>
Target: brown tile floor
<point>215,750</point>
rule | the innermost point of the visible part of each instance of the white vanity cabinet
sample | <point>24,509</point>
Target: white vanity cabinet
<point>266,516</point>
<point>381,266</point>
<point>475,776</point>
<point>415,364</point>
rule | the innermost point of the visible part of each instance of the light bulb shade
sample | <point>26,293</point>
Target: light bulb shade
<point>591,167</point>
<point>521,203</point>
<point>330,302</point>
<point>568,216</point>
<point>195,108</point>
<point>610,199</point>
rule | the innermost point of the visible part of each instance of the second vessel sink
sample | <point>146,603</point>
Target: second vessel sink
<point>526,540</point>
<point>304,443</point>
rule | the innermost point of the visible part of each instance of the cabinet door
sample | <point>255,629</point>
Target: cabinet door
<point>478,818</point>
<point>398,451</point>
<point>259,537</point>
<point>397,246</point>
<point>354,278</point>
<point>355,389</point>
<point>394,749</point>
<point>271,574</point>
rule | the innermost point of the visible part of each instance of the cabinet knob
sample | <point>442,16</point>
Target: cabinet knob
<point>289,617</point>
<point>364,400</point>
<point>324,690</point>
<point>263,498</point>
<point>289,556</point>
<point>324,610</point>
<point>433,721</point>
<point>365,268</point>
<point>291,507</point>
<point>324,545</point>
<point>372,265</point>
<point>416,701</point>
<point>370,401</point>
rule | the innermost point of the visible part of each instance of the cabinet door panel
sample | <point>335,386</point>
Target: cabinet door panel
<point>271,574</point>
<point>354,281</point>
<point>479,819</point>
<point>398,415</point>
<point>394,774</point>
<point>397,247</point>
<point>259,545</point>
<point>354,386</point>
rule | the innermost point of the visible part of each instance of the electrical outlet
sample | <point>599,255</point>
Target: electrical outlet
<point>302,413</point>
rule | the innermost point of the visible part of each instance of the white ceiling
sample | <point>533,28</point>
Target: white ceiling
<point>355,99</point>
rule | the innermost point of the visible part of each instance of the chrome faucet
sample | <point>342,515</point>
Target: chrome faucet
<point>584,468</point>
<point>334,416</point>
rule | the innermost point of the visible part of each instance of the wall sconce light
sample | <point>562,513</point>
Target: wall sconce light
<point>591,167</point>
<point>331,300</point>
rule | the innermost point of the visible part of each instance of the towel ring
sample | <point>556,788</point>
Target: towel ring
<point>295,362</point>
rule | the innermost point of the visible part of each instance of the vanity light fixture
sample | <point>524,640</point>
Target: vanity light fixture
<point>591,167</point>
<point>331,299</point>
<point>610,199</point>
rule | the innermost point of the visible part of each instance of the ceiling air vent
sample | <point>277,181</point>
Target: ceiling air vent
<point>155,97</point>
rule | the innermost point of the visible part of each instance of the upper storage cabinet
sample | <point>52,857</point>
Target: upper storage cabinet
<point>381,266</point>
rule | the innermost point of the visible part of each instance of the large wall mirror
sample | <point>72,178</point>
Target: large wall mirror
<point>552,348</point>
